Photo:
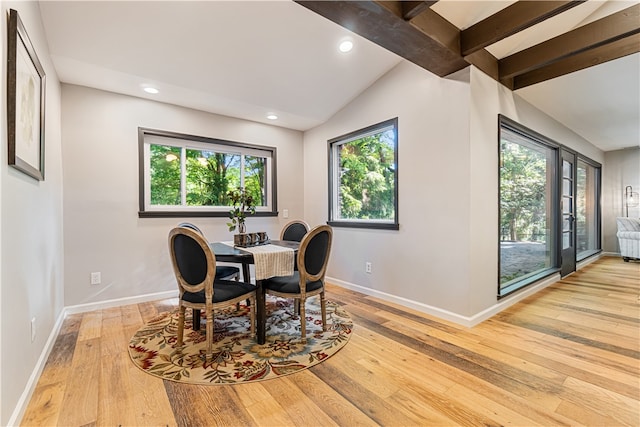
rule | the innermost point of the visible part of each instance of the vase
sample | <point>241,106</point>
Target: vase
<point>241,238</point>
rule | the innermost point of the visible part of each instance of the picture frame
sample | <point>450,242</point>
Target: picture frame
<point>25,102</point>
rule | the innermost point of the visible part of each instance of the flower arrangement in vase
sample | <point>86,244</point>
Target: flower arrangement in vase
<point>243,205</point>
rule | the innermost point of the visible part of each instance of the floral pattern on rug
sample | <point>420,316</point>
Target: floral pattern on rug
<point>238,358</point>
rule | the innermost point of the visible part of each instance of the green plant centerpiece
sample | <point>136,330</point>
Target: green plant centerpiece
<point>243,205</point>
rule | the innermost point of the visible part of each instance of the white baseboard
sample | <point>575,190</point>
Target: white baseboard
<point>617,254</point>
<point>83,308</point>
<point>468,321</point>
<point>21,407</point>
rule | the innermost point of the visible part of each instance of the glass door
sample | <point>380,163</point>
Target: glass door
<point>567,207</point>
<point>587,209</point>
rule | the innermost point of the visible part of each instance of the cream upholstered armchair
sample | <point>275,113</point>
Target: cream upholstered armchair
<point>629,238</point>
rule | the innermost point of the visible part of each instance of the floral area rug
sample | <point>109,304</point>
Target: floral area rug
<point>238,358</point>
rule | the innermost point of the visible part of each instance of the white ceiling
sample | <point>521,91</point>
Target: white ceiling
<point>247,59</point>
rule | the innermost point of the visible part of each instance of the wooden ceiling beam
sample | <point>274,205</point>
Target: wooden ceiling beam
<point>509,21</point>
<point>383,23</point>
<point>448,35</point>
<point>411,9</point>
<point>590,36</point>
<point>415,32</point>
<point>588,58</point>
<point>437,28</point>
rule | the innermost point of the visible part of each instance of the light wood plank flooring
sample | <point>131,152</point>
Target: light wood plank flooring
<point>568,355</point>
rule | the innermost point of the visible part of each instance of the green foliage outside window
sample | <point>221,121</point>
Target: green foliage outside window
<point>210,177</point>
<point>165,175</point>
<point>523,195</point>
<point>254,178</point>
<point>367,177</point>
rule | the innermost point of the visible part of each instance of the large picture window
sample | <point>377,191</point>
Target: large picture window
<point>549,207</point>
<point>363,177</point>
<point>184,175</point>
<point>528,183</point>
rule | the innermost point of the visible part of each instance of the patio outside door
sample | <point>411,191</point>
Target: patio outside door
<point>568,207</point>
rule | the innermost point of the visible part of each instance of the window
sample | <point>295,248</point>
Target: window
<point>528,207</point>
<point>184,175</point>
<point>587,211</point>
<point>363,178</point>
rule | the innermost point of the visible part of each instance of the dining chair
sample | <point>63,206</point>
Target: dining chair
<point>222,271</point>
<point>312,259</point>
<point>294,230</point>
<point>194,265</point>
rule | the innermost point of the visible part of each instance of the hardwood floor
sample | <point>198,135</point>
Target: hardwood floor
<point>568,355</point>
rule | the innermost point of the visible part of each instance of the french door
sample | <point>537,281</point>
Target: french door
<point>568,213</point>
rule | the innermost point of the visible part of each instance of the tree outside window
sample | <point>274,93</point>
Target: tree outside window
<point>193,175</point>
<point>364,177</point>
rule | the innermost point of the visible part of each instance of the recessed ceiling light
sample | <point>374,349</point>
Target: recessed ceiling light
<point>345,46</point>
<point>150,89</point>
<point>272,116</point>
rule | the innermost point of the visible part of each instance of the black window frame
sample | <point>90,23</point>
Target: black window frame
<point>218,212</point>
<point>527,280</point>
<point>334,142</point>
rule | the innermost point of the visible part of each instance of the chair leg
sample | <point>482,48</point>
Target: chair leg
<point>181,325</point>
<point>303,321</point>
<point>323,309</point>
<point>252,317</point>
<point>209,333</point>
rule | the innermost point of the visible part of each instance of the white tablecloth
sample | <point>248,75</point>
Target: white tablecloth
<point>270,260</point>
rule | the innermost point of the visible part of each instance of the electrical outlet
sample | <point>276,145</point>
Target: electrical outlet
<point>285,213</point>
<point>367,267</point>
<point>33,329</point>
<point>95,278</point>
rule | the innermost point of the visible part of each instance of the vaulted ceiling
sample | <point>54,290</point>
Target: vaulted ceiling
<point>247,58</point>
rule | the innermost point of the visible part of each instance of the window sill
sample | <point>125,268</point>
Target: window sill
<point>196,214</point>
<point>508,290</point>
<point>371,225</point>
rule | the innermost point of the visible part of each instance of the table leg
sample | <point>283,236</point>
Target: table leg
<point>246,274</point>
<point>261,317</point>
<point>196,319</point>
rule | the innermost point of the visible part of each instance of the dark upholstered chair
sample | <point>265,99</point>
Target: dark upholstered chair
<point>294,230</point>
<point>313,256</point>
<point>194,265</point>
<point>222,271</point>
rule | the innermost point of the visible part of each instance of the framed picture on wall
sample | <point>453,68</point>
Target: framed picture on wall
<point>25,102</point>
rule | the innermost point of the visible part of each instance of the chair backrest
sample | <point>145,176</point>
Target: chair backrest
<point>191,226</point>
<point>294,231</point>
<point>314,251</point>
<point>194,263</point>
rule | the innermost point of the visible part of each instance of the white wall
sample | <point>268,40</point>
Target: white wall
<point>31,245</point>
<point>621,168</point>
<point>102,230</point>
<point>444,258</point>
<point>427,260</point>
